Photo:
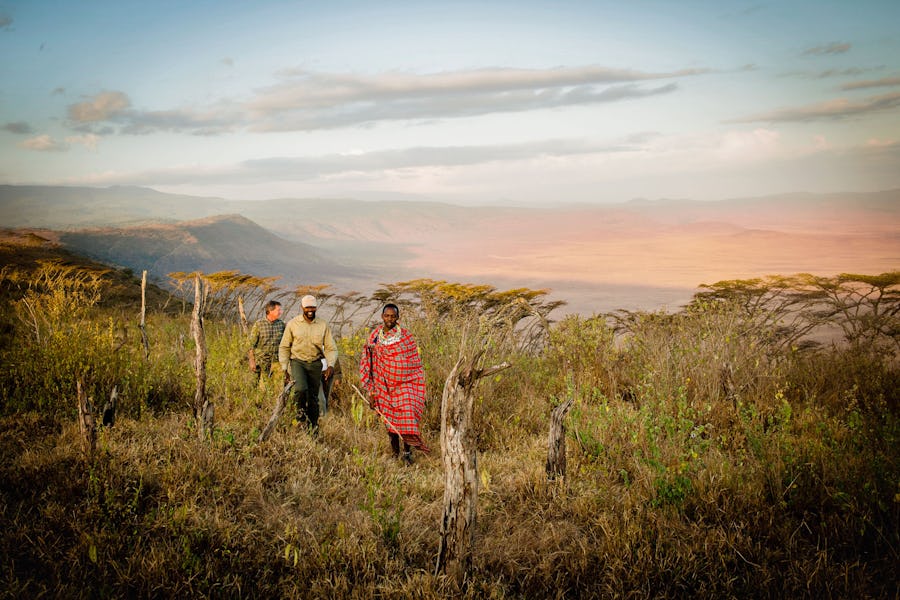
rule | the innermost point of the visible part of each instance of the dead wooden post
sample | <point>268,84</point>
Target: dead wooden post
<point>556,442</point>
<point>144,316</point>
<point>86,422</point>
<point>276,414</point>
<point>245,328</point>
<point>202,408</point>
<point>728,386</point>
<point>460,471</point>
<point>207,419</point>
<point>108,418</point>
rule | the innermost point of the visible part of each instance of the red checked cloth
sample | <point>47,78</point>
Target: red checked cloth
<point>390,370</point>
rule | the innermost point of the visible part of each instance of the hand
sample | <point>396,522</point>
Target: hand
<point>328,373</point>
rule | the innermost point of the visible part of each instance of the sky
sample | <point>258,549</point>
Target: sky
<point>520,102</point>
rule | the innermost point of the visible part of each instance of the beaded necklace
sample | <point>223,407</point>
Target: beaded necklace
<point>389,337</point>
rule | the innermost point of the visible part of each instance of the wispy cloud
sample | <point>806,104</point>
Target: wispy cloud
<point>827,49</point>
<point>315,89</point>
<point>104,106</point>
<point>742,13</point>
<point>840,108</point>
<point>307,101</point>
<point>101,112</point>
<point>307,168</point>
<point>19,127</point>
<point>446,106</point>
<point>43,143</point>
<point>6,22</point>
<point>211,122</point>
<point>880,143</point>
<point>829,73</point>
<point>46,143</point>
<point>89,140</point>
<point>526,170</point>
<point>872,83</point>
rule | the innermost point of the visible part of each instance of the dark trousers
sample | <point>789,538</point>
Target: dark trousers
<point>307,378</point>
<point>395,443</point>
<point>265,369</point>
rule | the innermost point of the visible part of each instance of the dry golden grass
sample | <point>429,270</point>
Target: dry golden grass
<point>674,489</point>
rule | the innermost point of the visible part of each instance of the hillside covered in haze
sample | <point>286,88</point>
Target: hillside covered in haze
<point>638,254</point>
<point>221,243</point>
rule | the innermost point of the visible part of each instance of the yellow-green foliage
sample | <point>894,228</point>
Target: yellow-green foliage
<point>706,458</point>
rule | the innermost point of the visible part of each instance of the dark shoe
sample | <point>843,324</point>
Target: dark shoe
<point>406,458</point>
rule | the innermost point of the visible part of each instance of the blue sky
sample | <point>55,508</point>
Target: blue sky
<point>466,102</point>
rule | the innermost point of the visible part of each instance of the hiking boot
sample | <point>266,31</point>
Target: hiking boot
<point>406,458</point>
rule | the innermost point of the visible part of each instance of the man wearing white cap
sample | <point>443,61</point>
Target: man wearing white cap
<point>306,341</point>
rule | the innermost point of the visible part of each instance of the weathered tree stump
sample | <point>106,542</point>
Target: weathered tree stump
<point>728,386</point>
<point>276,414</point>
<point>556,441</point>
<point>143,325</point>
<point>207,419</point>
<point>86,422</point>
<point>460,468</point>
<point>460,477</point>
<point>245,326</point>
<point>108,417</point>
<point>202,407</point>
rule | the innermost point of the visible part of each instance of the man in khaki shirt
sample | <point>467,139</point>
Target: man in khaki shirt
<point>306,341</point>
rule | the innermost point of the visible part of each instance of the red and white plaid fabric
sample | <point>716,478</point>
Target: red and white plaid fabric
<point>393,376</point>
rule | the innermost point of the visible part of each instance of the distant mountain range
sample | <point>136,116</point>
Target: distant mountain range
<point>82,207</point>
<point>638,254</point>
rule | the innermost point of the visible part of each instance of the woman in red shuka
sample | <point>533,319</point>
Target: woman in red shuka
<point>391,372</point>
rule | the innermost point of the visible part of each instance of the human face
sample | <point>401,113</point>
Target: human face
<point>275,313</point>
<point>309,313</point>
<point>389,316</point>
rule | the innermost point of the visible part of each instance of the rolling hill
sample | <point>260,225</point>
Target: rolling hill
<point>219,243</point>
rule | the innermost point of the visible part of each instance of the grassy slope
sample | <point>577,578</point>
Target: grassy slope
<point>161,513</point>
<point>23,250</point>
<point>674,492</point>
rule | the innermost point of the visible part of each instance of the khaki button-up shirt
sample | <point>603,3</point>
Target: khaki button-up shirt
<point>306,341</point>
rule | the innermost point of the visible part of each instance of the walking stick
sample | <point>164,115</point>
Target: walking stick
<point>378,412</point>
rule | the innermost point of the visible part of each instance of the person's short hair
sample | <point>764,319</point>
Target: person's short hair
<point>271,304</point>
<point>394,306</point>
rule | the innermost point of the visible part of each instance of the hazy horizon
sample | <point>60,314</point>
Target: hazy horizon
<point>636,255</point>
<point>500,103</point>
<point>376,197</point>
